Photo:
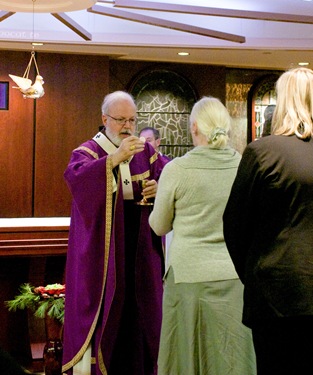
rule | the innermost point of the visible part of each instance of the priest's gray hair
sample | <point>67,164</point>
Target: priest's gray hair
<point>113,97</point>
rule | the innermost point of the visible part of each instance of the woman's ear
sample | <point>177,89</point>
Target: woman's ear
<point>194,128</point>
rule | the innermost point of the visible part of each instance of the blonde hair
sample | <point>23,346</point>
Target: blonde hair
<point>213,121</point>
<point>294,105</point>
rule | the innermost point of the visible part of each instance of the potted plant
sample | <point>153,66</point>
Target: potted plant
<point>46,302</point>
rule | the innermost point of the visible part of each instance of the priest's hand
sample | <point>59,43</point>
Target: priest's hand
<point>129,146</point>
<point>150,189</point>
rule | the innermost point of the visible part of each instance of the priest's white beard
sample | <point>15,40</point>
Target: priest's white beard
<point>116,139</point>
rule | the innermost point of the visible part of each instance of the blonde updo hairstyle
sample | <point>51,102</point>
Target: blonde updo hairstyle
<point>294,104</point>
<point>213,121</point>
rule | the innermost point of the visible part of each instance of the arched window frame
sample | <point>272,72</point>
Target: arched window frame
<point>261,94</point>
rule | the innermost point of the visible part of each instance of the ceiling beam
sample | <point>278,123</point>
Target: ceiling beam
<point>130,16</point>
<point>74,26</point>
<point>4,15</point>
<point>207,11</point>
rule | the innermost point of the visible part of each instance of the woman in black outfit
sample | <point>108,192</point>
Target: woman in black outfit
<point>268,228</point>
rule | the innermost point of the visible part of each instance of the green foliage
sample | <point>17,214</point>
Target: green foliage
<point>41,306</point>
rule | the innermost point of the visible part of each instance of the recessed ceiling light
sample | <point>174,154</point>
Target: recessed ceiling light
<point>303,63</point>
<point>183,53</point>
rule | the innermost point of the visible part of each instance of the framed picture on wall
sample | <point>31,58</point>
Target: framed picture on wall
<point>4,95</point>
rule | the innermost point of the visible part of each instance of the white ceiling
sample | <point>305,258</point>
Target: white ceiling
<point>265,34</point>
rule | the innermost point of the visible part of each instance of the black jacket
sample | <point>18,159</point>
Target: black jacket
<point>268,227</point>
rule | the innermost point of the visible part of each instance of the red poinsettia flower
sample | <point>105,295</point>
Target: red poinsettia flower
<point>51,290</point>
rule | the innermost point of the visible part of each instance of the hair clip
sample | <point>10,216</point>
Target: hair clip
<point>216,132</point>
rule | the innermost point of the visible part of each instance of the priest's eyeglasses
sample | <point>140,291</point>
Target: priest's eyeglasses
<point>122,121</point>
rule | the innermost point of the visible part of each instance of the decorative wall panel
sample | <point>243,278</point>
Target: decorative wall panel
<point>165,99</point>
<point>236,103</point>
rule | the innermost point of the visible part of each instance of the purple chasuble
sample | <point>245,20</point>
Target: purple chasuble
<point>114,267</point>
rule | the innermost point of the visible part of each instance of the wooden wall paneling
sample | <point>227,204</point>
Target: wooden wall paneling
<point>16,140</point>
<point>68,114</point>
<point>207,79</point>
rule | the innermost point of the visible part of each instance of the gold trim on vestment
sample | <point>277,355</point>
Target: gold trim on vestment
<point>153,158</point>
<point>92,153</point>
<point>141,176</point>
<point>107,236</point>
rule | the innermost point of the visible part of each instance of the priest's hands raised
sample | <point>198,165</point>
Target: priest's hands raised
<point>129,146</point>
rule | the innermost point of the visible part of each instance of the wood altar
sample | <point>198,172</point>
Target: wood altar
<point>33,236</point>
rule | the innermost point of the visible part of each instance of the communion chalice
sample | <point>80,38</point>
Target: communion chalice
<point>144,201</point>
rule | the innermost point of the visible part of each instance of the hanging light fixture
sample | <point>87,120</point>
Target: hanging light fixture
<point>24,84</point>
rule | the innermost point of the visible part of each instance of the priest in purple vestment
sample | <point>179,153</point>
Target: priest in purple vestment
<point>115,261</point>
